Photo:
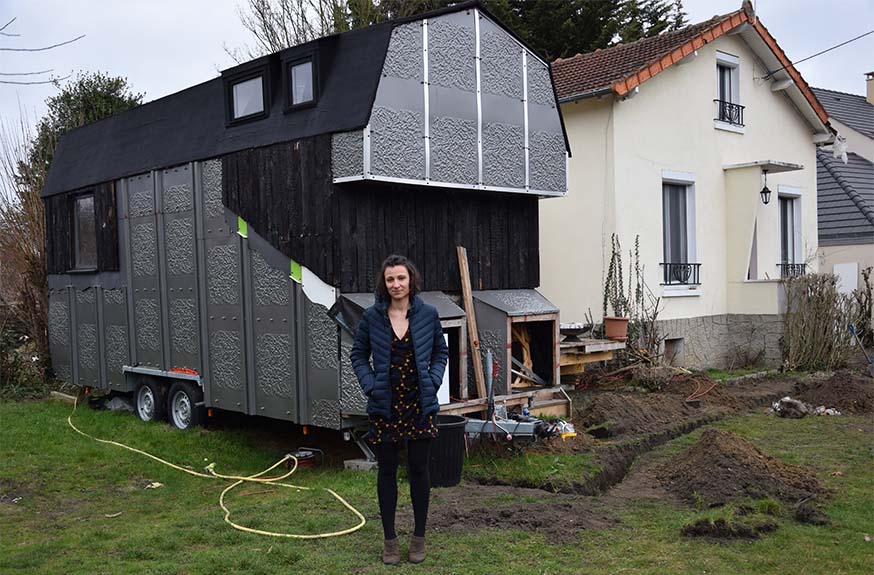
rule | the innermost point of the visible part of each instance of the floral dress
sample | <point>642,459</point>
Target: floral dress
<point>406,421</point>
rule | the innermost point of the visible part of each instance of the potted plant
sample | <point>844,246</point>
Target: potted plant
<point>616,325</point>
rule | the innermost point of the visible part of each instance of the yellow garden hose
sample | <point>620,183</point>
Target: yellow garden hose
<point>239,479</point>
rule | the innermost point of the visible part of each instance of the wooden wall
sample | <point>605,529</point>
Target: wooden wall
<point>343,232</point>
<point>59,229</point>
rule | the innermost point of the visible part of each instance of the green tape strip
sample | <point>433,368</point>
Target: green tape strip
<point>296,274</point>
<point>242,227</point>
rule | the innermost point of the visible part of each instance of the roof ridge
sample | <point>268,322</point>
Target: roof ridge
<point>828,163</point>
<point>839,92</point>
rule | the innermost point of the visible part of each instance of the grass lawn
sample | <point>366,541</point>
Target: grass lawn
<point>71,489</point>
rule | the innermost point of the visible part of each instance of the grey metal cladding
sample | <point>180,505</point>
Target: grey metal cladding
<point>59,320</point>
<point>500,63</point>
<point>144,248</point>
<point>116,349</point>
<point>454,150</point>
<point>546,157</point>
<point>114,297</point>
<point>86,296</point>
<point>516,302</point>
<point>539,85</point>
<point>326,413</point>
<point>496,341</point>
<point>504,155</point>
<point>148,331</point>
<point>63,371</point>
<point>352,399</point>
<point>183,325</point>
<point>271,284</point>
<point>179,238</point>
<point>452,52</point>
<point>87,334</point>
<point>275,365</point>
<point>177,198</point>
<point>212,188</point>
<point>226,359</point>
<point>397,144</point>
<point>223,278</point>
<point>347,154</point>
<point>321,336</point>
<point>141,201</point>
<point>404,56</point>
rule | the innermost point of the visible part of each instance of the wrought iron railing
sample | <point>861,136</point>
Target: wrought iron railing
<point>792,270</point>
<point>730,113</point>
<point>681,274</point>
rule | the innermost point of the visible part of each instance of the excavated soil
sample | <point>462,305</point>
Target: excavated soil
<point>723,467</point>
<point>851,393</point>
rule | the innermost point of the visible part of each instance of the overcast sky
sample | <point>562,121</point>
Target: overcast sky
<point>163,46</point>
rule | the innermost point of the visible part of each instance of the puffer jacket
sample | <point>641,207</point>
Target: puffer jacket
<point>374,337</point>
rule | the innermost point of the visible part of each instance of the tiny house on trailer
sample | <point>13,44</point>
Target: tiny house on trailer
<point>197,243</point>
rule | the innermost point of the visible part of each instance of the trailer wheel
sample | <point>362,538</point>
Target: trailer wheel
<point>149,398</point>
<point>185,407</point>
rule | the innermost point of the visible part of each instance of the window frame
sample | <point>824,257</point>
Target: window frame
<point>287,85</point>
<point>791,194</point>
<point>238,78</point>
<point>687,181</point>
<point>75,233</point>
<point>732,63</point>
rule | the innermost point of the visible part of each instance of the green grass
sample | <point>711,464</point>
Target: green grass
<point>532,469</point>
<point>721,374</point>
<point>68,484</point>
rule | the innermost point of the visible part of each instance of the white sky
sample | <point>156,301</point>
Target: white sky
<point>163,46</point>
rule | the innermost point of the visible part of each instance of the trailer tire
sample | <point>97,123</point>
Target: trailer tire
<point>150,398</point>
<point>185,405</point>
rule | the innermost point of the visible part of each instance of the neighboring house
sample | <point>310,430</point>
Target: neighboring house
<point>671,139</point>
<point>846,190</point>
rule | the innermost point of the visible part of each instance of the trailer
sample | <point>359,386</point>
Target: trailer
<point>200,247</point>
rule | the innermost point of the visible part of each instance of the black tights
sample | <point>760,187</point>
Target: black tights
<point>387,483</point>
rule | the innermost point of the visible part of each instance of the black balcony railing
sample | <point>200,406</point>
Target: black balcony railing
<point>792,270</point>
<point>681,274</point>
<point>730,113</point>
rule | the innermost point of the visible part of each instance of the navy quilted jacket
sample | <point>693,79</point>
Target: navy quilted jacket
<point>374,337</point>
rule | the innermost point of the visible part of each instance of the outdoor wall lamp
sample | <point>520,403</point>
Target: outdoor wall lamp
<point>765,193</point>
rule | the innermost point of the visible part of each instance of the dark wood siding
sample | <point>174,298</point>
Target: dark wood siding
<point>59,229</point>
<point>343,232</point>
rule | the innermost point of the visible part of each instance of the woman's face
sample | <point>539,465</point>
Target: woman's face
<point>397,282</point>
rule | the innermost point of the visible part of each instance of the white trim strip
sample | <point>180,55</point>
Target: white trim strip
<point>479,102</point>
<point>525,113</point>
<point>455,185</point>
<point>366,147</point>
<point>427,97</point>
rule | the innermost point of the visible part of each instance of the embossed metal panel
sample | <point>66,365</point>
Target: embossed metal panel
<point>493,335</point>
<point>86,337</point>
<point>60,342</point>
<point>352,399</point>
<point>143,245</point>
<point>225,371</point>
<point>179,267</point>
<point>322,367</point>
<point>115,344</point>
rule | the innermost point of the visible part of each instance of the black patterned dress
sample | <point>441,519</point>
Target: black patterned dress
<point>407,420</point>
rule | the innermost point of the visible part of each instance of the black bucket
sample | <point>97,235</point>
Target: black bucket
<point>447,451</point>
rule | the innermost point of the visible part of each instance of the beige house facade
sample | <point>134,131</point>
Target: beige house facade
<point>676,153</point>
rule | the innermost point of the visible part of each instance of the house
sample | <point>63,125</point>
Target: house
<point>846,189</point>
<point>197,243</point>
<point>675,138</point>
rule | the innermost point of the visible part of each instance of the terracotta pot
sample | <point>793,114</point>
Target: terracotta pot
<point>616,328</point>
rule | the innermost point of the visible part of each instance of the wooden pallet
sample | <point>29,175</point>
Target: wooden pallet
<point>575,355</point>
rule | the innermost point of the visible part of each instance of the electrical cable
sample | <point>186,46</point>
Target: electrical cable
<point>769,74</point>
<point>238,480</point>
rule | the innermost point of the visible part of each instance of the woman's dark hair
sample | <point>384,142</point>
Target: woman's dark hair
<point>398,260</point>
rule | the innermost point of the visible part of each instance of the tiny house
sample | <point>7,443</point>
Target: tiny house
<point>197,243</point>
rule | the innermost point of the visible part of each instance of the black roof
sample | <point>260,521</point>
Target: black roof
<point>845,199</point>
<point>850,109</point>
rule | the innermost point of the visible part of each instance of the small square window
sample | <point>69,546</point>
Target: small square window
<point>84,233</point>
<point>247,98</point>
<point>302,83</point>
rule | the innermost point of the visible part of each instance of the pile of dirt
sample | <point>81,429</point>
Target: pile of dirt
<point>722,529</point>
<point>723,467</point>
<point>851,393</point>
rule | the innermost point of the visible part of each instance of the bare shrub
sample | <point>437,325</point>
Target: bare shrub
<point>815,334</point>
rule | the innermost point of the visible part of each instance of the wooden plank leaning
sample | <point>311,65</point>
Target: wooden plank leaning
<point>472,332</point>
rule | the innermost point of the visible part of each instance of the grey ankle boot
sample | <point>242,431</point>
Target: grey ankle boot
<point>417,549</point>
<point>391,551</point>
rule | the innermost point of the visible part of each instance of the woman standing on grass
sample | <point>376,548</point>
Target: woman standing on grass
<point>404,336</point>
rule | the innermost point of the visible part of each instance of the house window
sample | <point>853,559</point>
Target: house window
<point>791,259</point>
<point>728,108</point>
<point>301,83</point>
<point>247,98</point>
<point>678,225</point>
<point>84,233</point>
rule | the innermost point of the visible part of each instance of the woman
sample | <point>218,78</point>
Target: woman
<point>409,356</point>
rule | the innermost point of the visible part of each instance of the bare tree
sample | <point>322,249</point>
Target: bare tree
<point>4,75</point>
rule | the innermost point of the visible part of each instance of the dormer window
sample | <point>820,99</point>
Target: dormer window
<point>301,82</point>
<point>729,112</point>
<point>247,95</point>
